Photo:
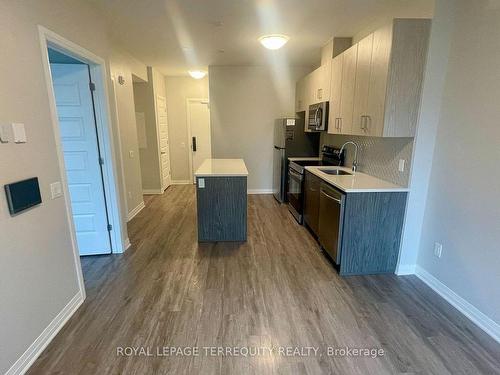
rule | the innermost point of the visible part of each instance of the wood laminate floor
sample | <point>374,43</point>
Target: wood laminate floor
<point>276,290</point>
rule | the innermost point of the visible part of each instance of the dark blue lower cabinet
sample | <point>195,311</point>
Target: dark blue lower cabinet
<point>221,208</point>
<point>371,235</point>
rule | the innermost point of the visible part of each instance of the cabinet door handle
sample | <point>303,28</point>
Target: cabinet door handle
<point>340,123</point>
<point>364,122</point>
<point>330,197</point>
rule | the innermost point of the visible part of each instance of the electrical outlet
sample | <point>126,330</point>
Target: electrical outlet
<point>401,166</point>
<point>438,249</point>
<point>131,154</point>
<point>129,195</point>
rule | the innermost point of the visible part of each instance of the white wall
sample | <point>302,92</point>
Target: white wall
<point>423,148</point>
<point>38,273</point>
<point>244,102</point>
<point>463,202</point>
<point>122,64</point>
<point>145,95</point>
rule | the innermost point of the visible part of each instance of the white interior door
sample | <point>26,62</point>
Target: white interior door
<point>199,123</point>
<point>78,132</point>
<point>161,104</point>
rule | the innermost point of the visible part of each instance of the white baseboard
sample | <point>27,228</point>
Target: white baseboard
<point>135,211</point>
<point>152,191</point>
<point>31,354</point>
<point>477,317</point>
<point>182,182</point>
<point>260,191</point>
<point>127,244</point>
<point>405,269</point>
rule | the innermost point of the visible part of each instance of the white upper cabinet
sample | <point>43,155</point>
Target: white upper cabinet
<point>375,86</point>
<point>405,76</point>
<point>381,54</point>
<point>300,95</point>
<point>361,88</point>
<point>342,92</point>
<point>313,88</point>
<point>389,76</point>
<point>320,84</point>
<point>335,95</point>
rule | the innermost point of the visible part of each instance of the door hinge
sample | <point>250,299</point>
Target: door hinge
<point>101,160</point>
<point>110,227</point>
<point>92,86</point>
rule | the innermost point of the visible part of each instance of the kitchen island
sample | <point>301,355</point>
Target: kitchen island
<point>221,199</point>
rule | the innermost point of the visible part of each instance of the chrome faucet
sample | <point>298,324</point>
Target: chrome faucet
<point>355,160</point>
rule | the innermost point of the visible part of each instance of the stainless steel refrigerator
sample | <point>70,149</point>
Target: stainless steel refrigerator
<point>290,139</point>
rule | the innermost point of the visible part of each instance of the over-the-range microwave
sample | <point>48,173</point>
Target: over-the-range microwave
<point>318,117</point>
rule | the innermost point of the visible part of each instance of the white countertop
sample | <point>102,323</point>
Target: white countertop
<point>222,167</point>
<point>357,182</point>
<point>305,158</point>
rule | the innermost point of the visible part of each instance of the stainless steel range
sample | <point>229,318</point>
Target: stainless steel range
<point>330,156</point>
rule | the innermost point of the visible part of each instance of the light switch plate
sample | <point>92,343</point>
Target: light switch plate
<point>402,163</point>
<point>56,190</point>
<point>438,249</point>
<point>4,134</point>
<point>201,183</point>
<point>19,132</point>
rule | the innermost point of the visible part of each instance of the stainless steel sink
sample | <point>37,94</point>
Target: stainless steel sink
<point>336,172</point>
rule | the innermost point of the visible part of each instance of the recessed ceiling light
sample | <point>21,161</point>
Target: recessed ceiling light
<point>197,74</point>
<point>274,41</point>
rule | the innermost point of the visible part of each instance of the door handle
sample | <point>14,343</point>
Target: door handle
<point>330,197</point>
<point>365,122</point>
<point>295,174</point>
<point>194,144</point>
<point>316,118</point>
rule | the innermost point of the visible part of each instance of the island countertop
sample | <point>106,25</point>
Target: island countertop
<point>222,168</point>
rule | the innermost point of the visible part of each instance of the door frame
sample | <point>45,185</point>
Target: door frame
<point>97,67</point>
<point>189,136</point>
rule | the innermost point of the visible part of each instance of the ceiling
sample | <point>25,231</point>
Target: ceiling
<point>177,35</point>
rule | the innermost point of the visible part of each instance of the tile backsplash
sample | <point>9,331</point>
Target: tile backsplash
<point>378,157</point>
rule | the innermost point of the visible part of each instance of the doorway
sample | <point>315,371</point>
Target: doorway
<point>198,121</point>
<point>166,179</point>
<point>79,103</point>
<point>73,92</point>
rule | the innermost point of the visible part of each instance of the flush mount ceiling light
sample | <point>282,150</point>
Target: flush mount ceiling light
<point>274,41</point>
<point>197,74</point>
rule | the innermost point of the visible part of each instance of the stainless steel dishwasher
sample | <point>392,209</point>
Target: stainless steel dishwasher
<point>331,214</point>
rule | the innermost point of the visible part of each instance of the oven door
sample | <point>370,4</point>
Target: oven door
<point>295,193</point>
